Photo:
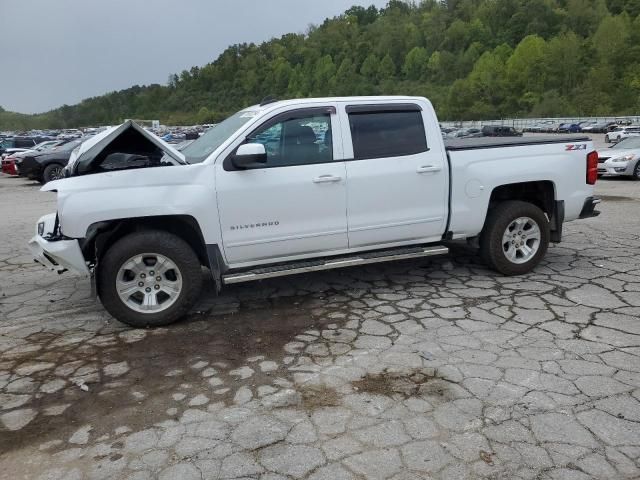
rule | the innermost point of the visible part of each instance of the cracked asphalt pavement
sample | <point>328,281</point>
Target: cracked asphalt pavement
<point>415,370</point>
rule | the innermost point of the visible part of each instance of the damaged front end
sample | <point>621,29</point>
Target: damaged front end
<point>55,251</point>
<point>125,147</point>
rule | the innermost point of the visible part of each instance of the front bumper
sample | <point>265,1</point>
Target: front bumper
<point>615,169</point>
<point>58,255</point>
<point>588,210</point>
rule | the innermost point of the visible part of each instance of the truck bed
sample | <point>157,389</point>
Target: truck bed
<point>495,142</point>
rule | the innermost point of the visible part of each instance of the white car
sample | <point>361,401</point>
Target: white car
<point>621,160</point>
<point>295,186</point>
<point>620,133</point>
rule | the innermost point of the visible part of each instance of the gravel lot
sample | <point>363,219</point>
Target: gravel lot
<point>430,369</point>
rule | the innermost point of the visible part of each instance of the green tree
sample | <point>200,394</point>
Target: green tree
<point>415,63</point>
<point>387,68</point>
<point>525,70</point>
<point>323,75</point>
<point>370,68</point>
<point>611,36</point>
<point>564,63</point>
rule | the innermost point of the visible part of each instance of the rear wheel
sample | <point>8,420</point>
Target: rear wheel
<point>52,172</point>
<point>515,237</point>
<point>149,279</point>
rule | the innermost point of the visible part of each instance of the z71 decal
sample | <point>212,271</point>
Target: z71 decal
<point>578,146</point>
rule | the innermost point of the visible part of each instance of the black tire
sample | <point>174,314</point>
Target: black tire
<point>51,172</point>
<point>636,171</point>
<point>498,219</point>
<point>149,242</point>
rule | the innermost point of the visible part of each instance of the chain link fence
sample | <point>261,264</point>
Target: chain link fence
<point>526,123</point>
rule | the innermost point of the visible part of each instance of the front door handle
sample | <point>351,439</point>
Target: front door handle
<point>326,179</point>
<point>428,168</point>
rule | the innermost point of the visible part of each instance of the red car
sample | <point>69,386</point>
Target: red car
<point>9,165</point>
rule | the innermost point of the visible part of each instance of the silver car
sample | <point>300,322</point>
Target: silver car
<point>621,160</point>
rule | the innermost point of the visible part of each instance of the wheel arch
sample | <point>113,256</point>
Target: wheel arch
<point>101,235</point>
<point>541,193</point>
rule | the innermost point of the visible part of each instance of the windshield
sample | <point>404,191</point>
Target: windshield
<point>68,146</point>
<point>45,145</point>
<point>630,142</point>
<point>199,150</point>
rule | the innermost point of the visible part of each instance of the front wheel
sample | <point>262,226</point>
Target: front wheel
<point>515,237</point>
<point>636,171</point>
<point>149,279</point>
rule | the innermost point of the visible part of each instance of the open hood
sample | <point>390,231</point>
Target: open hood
<point>124,144</point>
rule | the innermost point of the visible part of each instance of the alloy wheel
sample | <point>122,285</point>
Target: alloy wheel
<point>149,283</point>
<point>521,240</point>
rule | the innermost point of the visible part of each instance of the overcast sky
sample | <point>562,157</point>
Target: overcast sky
<point>54,52</point>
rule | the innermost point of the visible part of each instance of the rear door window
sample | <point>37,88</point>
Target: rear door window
<point>387,133</point>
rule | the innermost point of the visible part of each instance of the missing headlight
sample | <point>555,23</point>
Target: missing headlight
<point>41,228</point>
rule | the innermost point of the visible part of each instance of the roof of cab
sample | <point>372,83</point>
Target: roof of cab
<point>306,101</point>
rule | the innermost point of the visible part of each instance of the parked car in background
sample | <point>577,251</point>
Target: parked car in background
<point>585,124</point>
<point>9,164</point>
<point>41,147</point>
<point>47,165</point>
<point>17,142</point>
<point>540,127</point>
<point>598,127</point>
<point>466,133</point>
<point>569,128</point>
<point>500,131</point>
<point>620,133</point>
<point>70,134</point>
<point>621,159</point>
<point>12,151</point>
<point>48,146</point>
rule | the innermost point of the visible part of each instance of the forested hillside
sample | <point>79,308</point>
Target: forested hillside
<point>475,59</point>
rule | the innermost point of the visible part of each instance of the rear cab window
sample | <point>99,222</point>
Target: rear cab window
<point>391,130</point>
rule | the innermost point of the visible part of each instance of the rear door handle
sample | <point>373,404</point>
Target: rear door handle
<point>428,168</point>
<point>326,179</point>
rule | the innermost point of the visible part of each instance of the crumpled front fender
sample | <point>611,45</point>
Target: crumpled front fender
<point>57,255</point>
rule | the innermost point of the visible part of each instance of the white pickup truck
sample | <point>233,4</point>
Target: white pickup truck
<point>295,186</point>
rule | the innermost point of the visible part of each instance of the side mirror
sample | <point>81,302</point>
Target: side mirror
<point>249,155</point>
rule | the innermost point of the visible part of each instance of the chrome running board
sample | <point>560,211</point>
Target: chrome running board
<point>331,263</point>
